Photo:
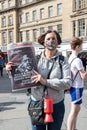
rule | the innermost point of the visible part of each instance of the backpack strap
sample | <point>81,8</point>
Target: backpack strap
<point>61,60</point>
<point>73,60</point>
<point>76,72</point>
<point>45,91</point>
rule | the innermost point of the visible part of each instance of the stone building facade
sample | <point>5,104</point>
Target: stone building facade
<point>25,20</point>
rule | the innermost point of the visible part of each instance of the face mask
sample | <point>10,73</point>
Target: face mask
<point>51,45</point>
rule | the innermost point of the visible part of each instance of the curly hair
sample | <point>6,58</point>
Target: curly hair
<point>42,37</point>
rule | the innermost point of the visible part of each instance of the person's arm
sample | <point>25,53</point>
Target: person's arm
<point>65,82</point>
<point>80,67</point>
<point>83,74</point>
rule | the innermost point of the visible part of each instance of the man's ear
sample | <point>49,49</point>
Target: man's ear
<point>77,46</point>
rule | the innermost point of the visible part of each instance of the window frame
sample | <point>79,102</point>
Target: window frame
<point>59,29</point>
<point>81,27</point>
<point>10,36</point>
<point>3,21</point>
<point>35,34</point>
<point>27,35</point>
<point>50,11</point>
<point>59,9</point>
<point>10,21</point>
<point>27,17</point>
<point>21,36</point>
<point>20,18</point>
<point>42,30</point>
<point>74,28</point>
<point>42,13</point>
<point>4,37</point>
<point>34,15</point>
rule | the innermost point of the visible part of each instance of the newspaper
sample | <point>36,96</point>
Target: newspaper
<point>23,56</point>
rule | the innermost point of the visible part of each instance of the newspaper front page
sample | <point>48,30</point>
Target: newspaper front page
<point>23,56</point>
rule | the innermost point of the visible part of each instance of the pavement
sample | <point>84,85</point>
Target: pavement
<point>14,114</point>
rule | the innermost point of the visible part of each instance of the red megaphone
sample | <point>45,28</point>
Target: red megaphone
<point>48,110</point>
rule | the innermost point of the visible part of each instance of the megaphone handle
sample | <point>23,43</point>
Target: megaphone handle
<point>46,126</point>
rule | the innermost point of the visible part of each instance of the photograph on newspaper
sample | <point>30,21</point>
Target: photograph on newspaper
<point>23,57</point>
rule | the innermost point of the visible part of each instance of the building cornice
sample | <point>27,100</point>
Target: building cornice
<point>16,7</point>
<point>78,13</point>
<point>31,4</point>
<point>33,24</point>
<point>8,10</point>
<point>5,29</point>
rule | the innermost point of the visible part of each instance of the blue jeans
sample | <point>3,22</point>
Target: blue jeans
<point>1,70</point>
<point>58,115</point>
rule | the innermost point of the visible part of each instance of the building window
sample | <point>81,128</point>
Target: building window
<point>35,34</point>
<point>81,27</point>
<point>59,9</point>
<point>20,36</point>
<point>4,38</point>
<point>42,13</point>
<point>27,35</point>
<point>27,1</point>
<point>59,29</point>
<point>42,30</point>
<point>27,18</point>
<point>50,27</point>
<point>20,18</point>
<point>3,22</point>
<point>74,5</point>
<point>34,0</point>
<point>50,11</point>
<point>10,20</point>
<point>79,4</point>
<point>74,28</point>
<point>82,4</point>
<point>10,3</point>
<point>34,15</point>
<point>10,36</point>
<point>3,4</point>
<point>19,2</point>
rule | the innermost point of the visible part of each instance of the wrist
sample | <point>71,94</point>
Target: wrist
<point>43,81</point>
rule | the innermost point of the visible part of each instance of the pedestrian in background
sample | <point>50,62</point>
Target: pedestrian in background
<point>76,90</point>
<point>84,62</point>
<point>57,82</point>
<point>1,65</point>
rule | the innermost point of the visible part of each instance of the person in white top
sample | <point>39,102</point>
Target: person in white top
<point>79,75</point>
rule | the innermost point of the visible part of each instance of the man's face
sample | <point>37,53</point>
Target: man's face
<point>28,64</point>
